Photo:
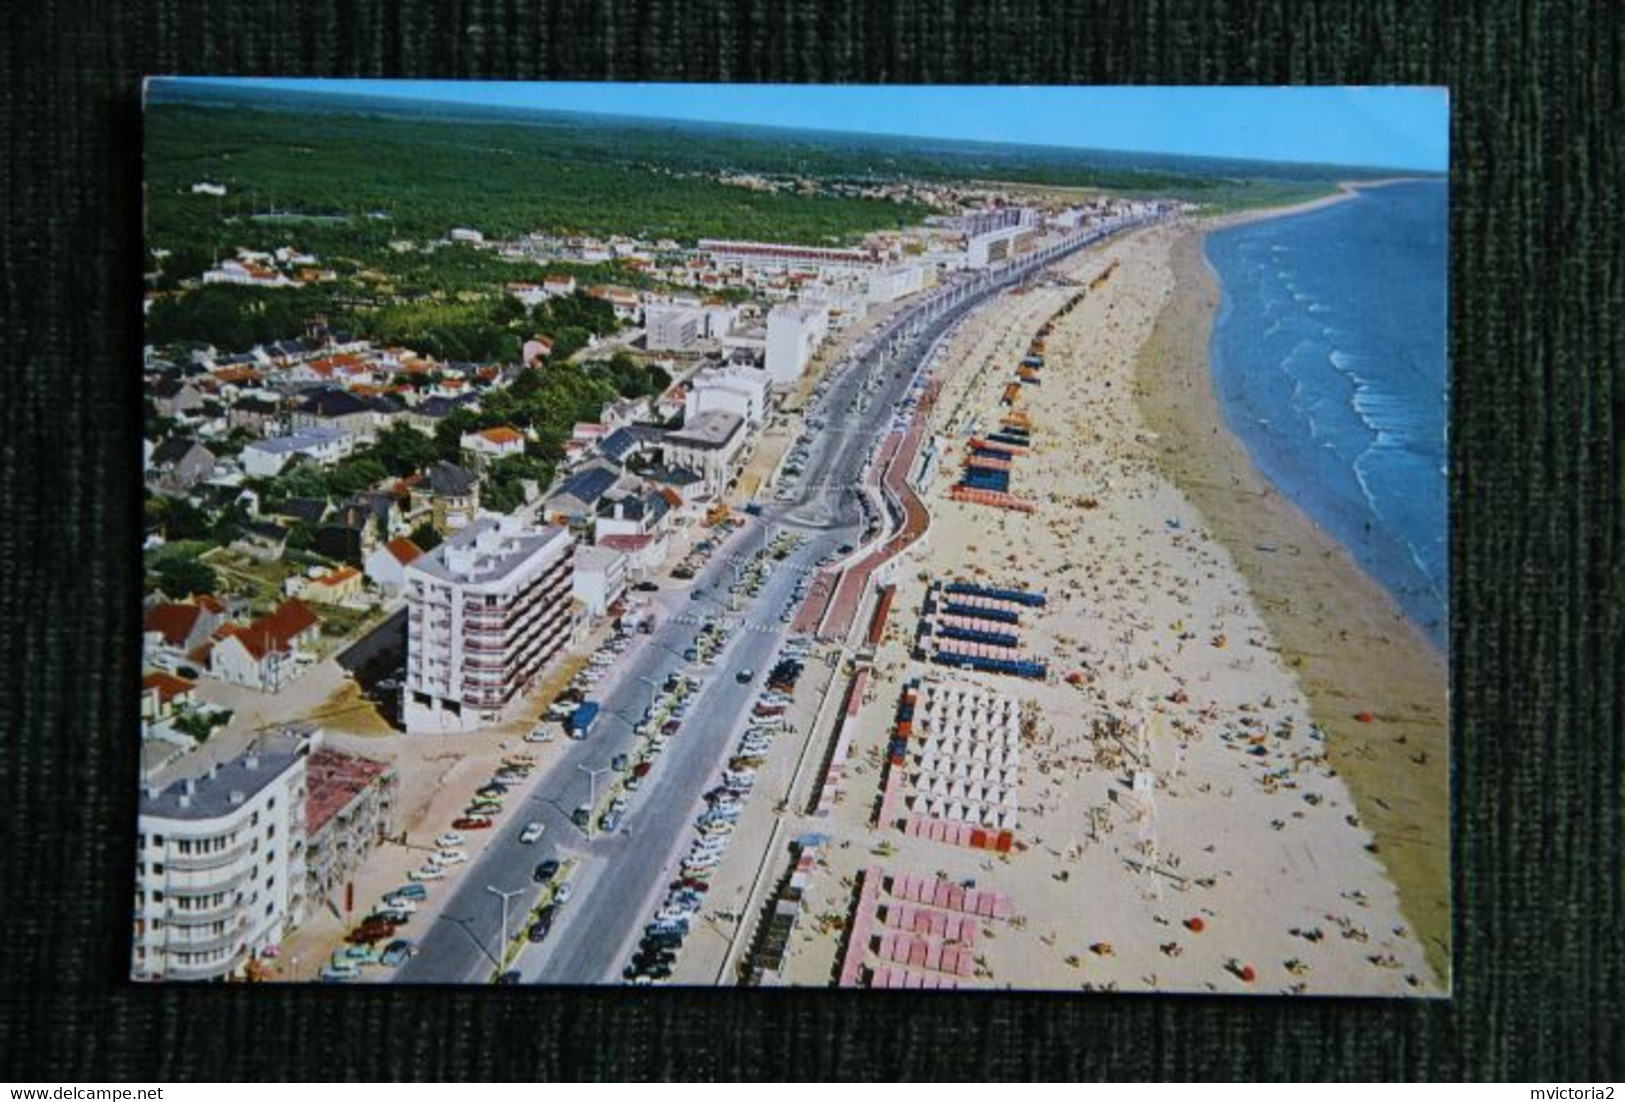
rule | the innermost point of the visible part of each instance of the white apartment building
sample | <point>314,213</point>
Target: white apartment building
<point>672,326</point>
<point>486,611</point>
<point>771,256</point>
<point>793,335</point>
<point>996,246</point>
<point>220,865</point>
<point>738,390</point>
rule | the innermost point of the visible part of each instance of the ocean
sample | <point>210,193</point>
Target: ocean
<point>1329,358</point>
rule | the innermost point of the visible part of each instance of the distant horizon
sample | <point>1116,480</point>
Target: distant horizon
<point>1189,109</point>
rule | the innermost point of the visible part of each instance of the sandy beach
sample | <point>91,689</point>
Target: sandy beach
<point>1199,810</point>
<point>1351,646</point>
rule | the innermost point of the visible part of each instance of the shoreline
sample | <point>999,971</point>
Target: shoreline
<point>1346,190</point>
<point>1311,590</point>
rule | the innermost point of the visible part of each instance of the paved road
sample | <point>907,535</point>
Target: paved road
<point>619,877</point>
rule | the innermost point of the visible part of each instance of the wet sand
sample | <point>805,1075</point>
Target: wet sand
<point>1351,647</point>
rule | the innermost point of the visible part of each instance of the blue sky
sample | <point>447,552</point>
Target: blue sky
<point>1386,127</point>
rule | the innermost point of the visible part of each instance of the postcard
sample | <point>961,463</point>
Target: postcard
<point>868,537</point>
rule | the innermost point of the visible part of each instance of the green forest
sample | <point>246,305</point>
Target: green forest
<point>348,184</point>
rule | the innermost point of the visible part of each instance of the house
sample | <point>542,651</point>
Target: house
<point>599,579</point>
<point>576,500</point>
<point>164,694</point>
<point>353,529</point>
<point>489,445</point>
<point>253,414</point>
<point>556,285</point>
<point>427,414</point>
<point>386,566</point>
<point>266,654</point>
<point>173,397</point>
<point>171,629</point>
<point>263,540</point>
<point>336,587</point>
<point>319,444</point>
<point>178,464</point>
<point>672,402</point>
<point>687,484</point>
<point>624,411</point>
<point>631,514</point>
<point>644,553</point>
<point>336,409</point>
<point>625,301</point>
<point>630,440</point>
<point>309,511</point>
<point>711,443</point>
<point>454,496</point>
<point>537,349</point>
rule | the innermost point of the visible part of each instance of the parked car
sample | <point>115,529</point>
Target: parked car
<point>448,857</point>
<point>397,953</point>
<point>541,927</point>
<point>428,872</point>
<point>414,892</point>
<point>472,822</point>
<point>562,894</point>
<point>450,839</point>
<point>546,871</point>
<point>340,973</point>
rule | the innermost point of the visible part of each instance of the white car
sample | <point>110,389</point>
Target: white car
<point>450,839</point>
<point>448,857</point>
<point>540,733</point>
<point>427,872</point>
<point>562,893</point>
<point>532,833</point>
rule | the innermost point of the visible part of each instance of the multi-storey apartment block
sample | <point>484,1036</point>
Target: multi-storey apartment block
<point>486,612</point>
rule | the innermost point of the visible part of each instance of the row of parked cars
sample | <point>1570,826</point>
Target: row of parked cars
<point>663,937</point>
<point>700,554</point>
<point>375,940</point>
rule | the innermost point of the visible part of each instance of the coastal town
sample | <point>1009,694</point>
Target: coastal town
<point>768,614</point>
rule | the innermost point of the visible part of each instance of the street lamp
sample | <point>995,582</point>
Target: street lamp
<point>592,795</point>
<point>502,933</point>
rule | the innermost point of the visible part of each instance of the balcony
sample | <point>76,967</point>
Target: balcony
<point>200,916</point>
<point>204,862</point>
<point>212,971</point>
<point>190,886</point>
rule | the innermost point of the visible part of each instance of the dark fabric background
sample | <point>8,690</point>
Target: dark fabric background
<point>1539,639</point>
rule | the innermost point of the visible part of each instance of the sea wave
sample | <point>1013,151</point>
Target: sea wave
<point>1348,419</point>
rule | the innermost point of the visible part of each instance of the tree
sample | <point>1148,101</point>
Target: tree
<point>426,536</point>
<point>403,450</point>
<point>183,577</point>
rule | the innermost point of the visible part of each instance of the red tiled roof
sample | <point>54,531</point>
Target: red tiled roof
<point>273,632</point>
<point>175,622</point>
<point>404,550</point>
<point>339,576</point>
<point>209,603</point>
<point>502,434</point>
<point>168,685</point>
<point>673,498</point>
